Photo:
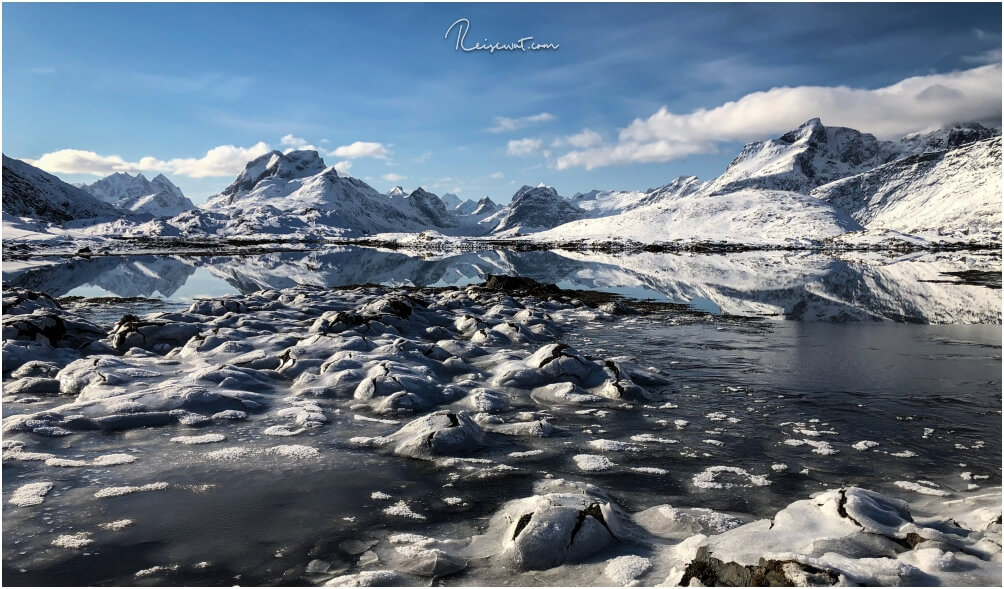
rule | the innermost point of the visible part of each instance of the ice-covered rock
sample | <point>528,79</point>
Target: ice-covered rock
<point>559,363</point>
<point>443,433</point>
<point>153,335</point>
<point>843,535</point>
<point>562,523</point>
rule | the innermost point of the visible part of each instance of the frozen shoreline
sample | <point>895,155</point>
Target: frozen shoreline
<point>471,384</point>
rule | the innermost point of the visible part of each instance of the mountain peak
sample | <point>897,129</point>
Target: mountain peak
<point>397,192</point>
<point>275,164</point>
<point>804,158</point>
<point>537,207</point>
<point>540,190</point>
<point>137,195</point>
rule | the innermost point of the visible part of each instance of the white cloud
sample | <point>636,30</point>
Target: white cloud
<point>503,124</point>
<point>587,138</point>
<point>392,177</point>
<point>910,105</point>
<point>225,160</point>
<point>292,141</point>
<point>423,158</point>
<point>522,147</point>
<point>343,167</point>
<point>361,149</point>
<point>497,175</point>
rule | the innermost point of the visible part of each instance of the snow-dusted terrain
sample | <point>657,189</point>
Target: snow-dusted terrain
<point>384,436</point>
<point>930,194</point>
<point>748,216</point>
<point>820,405</point>
<point>812,187</point>
<point>137,195</point>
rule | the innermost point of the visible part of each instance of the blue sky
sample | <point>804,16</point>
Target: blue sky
<point>170,82</point>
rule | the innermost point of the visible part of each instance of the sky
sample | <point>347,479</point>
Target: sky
<point>633,95</point>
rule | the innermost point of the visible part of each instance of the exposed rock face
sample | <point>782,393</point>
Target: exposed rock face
<point>429,208</point>
<point>485,206</point>
<point>537,208</point>
<point>947,138</point>
<point>30,192</point>
<point>712,572</point>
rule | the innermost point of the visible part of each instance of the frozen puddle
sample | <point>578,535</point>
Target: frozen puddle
<point>471,436</point>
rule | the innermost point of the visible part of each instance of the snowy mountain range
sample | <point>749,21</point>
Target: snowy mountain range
<point>813,183</point>
<point>137,195</point>
<point>808,185</point>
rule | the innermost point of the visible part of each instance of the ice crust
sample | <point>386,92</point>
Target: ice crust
<point>469,384</point>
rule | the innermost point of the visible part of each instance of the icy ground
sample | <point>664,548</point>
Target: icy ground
<point>380,435</point>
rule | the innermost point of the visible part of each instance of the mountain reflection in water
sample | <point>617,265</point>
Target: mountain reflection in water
<point>946,288</point>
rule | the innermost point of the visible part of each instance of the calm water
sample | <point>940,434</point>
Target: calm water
<point>745,381</point>
<point>809,287</point>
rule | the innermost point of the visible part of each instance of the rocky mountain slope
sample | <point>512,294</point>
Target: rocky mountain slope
<point>952,193</point>
<point>533,208</point>
<point>30,192</point>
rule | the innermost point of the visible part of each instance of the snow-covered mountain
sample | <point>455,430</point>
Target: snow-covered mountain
<point>800,189</point>
<point>955,193</point>
<point>397,192</point>
<point>602,203</point>
<point>533,208</point>
<point>946,138</point>
<point>803,159</point>
<point>452,201</point>
<point>30,192</point>
<point>749,217</point>
<point>135,194</point>
<point>944,184</point>
<point>296,193</point>
<point>428,208</point>
<point>485,207</point>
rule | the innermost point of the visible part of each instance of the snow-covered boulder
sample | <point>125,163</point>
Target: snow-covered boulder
<point>443,433</point>
<point>152,335</point>
<point>562,523</point>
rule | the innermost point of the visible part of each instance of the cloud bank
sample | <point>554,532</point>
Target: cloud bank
<point>913,104</point>
<point>225,160</point>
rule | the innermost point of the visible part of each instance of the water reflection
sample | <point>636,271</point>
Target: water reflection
<point>802,286</point>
